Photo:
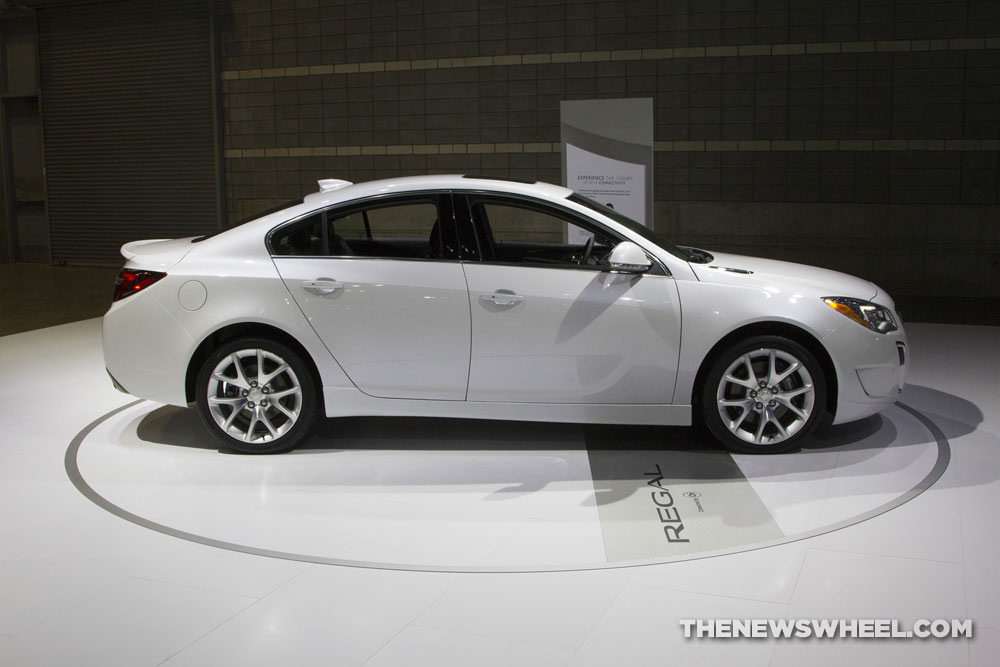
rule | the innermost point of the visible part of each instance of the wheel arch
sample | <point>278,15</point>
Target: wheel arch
<point>772,328</point>
<point>243,330</point>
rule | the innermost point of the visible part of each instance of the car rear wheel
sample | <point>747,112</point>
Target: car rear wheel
<point>257,396</point>
<point>763,395</point>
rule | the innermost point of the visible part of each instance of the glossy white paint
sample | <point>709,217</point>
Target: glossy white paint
<point>340,402</point>
<point>576,336</point>
<point>486,340</point>
<point>192,295</point>
<point>157,254</point>
<point>129,326</point>
<point>627,257</point>
<point>729,269</point>
<point>150,338</point>
<point>854,348</point>
<point>399,328</point>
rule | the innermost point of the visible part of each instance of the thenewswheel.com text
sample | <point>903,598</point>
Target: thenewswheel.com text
<point>839,628</point>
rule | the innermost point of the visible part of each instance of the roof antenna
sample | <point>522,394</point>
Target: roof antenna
<point>331,184</point>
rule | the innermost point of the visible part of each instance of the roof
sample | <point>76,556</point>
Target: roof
<point>338,194</point>
<point>436,182</point>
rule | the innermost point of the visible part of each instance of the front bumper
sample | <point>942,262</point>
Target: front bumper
<point>871,369</point>
<point>117,385</point>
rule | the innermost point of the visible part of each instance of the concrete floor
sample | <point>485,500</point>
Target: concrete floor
<point>33,296</point>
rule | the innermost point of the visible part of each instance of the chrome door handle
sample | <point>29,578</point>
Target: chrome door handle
<point>322,286</point>
<point>501,298</point>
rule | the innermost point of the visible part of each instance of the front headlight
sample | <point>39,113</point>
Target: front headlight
<point>867,314</point>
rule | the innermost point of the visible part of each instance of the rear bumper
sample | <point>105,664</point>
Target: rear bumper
<point>145,350</point>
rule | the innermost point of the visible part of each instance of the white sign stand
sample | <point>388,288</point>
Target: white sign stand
<point>607,149</point>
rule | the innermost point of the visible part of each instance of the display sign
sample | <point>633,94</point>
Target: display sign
<point>607,149</point>
<point>614,183</point>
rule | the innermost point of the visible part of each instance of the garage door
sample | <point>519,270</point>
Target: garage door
<point>128,116</point>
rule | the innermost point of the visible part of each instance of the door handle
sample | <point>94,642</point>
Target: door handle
<point>501,298</point>
<point>322,286</point>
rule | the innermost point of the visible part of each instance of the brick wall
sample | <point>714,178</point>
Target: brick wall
<point>862,135</point>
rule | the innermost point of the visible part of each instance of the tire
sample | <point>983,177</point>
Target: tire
<point>257,413</point>
<point>752,416</point>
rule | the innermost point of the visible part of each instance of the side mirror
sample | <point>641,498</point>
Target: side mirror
<point>627,257</point>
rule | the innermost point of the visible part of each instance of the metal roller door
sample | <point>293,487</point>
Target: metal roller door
<point>127,94</point>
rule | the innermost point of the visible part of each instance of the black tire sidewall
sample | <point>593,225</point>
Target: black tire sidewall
<point>310,396</point>
<point>707,396</point>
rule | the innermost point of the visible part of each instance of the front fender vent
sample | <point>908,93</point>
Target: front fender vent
<point>731,269</point>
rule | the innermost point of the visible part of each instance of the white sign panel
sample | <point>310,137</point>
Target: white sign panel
<point>613,183</point>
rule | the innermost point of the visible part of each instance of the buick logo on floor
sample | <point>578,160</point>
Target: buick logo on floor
<point>669,515</point>
<point>696,497</point>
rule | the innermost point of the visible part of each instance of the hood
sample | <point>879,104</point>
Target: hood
<point>156,254</point>
<point>764,273</point>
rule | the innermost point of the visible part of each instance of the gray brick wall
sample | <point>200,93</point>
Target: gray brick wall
<point>860,135</point>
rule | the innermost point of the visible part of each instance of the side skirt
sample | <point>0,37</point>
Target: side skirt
<point>350,402</point>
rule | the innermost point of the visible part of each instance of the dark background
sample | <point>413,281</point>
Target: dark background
<point>862,136</point>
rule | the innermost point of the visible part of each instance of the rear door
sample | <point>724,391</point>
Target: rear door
<point>381,284</point>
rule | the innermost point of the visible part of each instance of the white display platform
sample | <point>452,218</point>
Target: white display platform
<point>465,495</point>
<point>89,584</point>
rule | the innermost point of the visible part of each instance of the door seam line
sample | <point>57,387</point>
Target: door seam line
<point>468,296</point>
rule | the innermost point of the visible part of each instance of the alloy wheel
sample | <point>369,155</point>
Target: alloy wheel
<point>254,395</point>
<point>766,396</point>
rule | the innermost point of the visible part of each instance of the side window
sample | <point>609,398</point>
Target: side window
<point>409,229</point>
<point>404,230</point>
<point>351,226</point>
<point>304,238</point>
<point>412,220</point>
<point>523,234</point>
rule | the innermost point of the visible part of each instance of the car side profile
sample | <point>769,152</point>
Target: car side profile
<point>457,296</point>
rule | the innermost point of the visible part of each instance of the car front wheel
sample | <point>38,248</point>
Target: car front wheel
<point>763,395</point>
<point>257,396</point>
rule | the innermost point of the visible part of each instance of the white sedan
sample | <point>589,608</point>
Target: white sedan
<point>453,296</point>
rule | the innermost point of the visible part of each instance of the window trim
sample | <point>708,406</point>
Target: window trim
<point>443,199</point>
<point>543,206</point>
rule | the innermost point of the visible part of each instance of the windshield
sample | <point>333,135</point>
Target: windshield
<point>251,218</point>
<point>645,232</point>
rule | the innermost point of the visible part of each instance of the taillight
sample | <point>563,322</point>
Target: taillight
<point>130,281</point>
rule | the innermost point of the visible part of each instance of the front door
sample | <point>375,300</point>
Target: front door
<point>550,326</point>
